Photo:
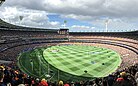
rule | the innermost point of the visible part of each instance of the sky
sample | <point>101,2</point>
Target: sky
<point>81,15</point>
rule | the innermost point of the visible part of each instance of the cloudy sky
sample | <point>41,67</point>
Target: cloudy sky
<point>81,15</point>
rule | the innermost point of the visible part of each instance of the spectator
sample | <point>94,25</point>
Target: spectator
<point>110,80</point>
<point>43,83</point>
<point>60,83</point>
<point>1,78</point>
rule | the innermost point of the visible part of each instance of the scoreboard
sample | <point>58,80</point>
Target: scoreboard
<point>63,31</point>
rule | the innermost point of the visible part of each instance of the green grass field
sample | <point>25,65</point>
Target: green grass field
<point>69,62</point>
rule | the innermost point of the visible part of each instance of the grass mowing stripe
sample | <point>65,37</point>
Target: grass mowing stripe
<point>75,59</point>
<point>81,53</point>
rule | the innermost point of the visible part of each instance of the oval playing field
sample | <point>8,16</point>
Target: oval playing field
<point>83,60</point>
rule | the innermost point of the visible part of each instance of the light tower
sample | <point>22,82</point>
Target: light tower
<point>1,2</point>
<point>20,18</point>
<point>106,25</point>
<point>65,22</point>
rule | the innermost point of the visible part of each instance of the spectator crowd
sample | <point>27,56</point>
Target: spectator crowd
<point>11,75</point>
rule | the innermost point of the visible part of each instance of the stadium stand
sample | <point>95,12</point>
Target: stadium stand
<point>11,33</point>
<point>15,39</point>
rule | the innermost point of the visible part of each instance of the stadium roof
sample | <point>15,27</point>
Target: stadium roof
<point>8,26</point>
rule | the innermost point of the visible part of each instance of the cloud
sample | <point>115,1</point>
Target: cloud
<point>94,12</point>
<point>81,28</point>
<point>33,18</point>
<point>28,4</point>
<point>115,25</point>
<point>97,12</point>
<point>110,8</point>
<point>78,17</point>
<point>95,8</point>
<point>54,23</point>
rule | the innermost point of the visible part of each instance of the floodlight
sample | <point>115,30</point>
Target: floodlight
<point>106,25</point>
